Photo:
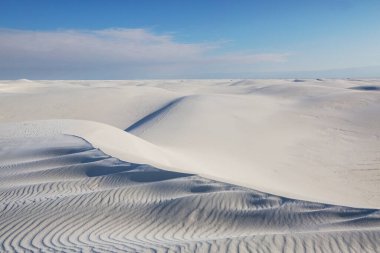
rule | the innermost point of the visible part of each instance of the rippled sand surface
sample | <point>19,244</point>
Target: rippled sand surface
<point>60,194</point>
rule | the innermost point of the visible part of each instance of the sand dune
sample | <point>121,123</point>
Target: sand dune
<point>58,193</point>
<point>191,165</point>
<point>315,140</point>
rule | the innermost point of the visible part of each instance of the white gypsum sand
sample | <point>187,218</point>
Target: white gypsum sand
<point>308,140</point>
<point>60,194</point>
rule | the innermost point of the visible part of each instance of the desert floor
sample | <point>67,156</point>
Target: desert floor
<point>190,166</point>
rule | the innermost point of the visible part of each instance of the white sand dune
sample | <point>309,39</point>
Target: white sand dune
<point>295,141</point>
<point>306,139</point>
<point>58,193</point>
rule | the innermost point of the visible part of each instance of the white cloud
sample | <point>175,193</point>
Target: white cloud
<point>120,52</point>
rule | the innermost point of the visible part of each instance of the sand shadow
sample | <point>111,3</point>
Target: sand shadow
<point>103,170</point>
<point>134,172</point>
<point>366,88</point>
<point>154,114</point>
<point>154,176</point>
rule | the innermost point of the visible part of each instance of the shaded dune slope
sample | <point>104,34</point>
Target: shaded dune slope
<point>59,194</point>
<point>155,114</point>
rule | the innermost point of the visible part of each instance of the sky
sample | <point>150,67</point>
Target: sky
<point>165,39</point>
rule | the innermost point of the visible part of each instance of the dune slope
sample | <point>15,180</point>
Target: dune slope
<point>59,194</point>
<point>316,140</point>
<point>190,166</point>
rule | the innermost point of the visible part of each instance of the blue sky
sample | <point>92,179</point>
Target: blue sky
<point>129,39</point>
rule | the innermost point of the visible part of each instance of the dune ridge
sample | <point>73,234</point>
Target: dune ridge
<point>62,194</point>
<point>190,166</point>
<point>286,137</point>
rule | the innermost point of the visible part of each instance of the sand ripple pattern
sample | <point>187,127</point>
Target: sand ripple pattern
<point>59,194</point>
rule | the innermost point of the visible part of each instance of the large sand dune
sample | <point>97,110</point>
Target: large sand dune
<point>69,185</point>
<point>58,193</point>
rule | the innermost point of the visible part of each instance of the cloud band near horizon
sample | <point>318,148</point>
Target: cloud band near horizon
<point>117,53</point>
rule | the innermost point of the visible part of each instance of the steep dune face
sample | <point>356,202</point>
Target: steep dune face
<point>316,140</point>
<point>60,194</point>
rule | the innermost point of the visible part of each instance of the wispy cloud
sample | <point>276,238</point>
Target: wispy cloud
<point>120,52</point>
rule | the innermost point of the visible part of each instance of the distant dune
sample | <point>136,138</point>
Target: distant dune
<point>192,166</point>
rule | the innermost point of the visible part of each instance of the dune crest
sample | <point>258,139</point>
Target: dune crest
<point>59,193</point>
<point>315,140</point>
<point>190,166</point>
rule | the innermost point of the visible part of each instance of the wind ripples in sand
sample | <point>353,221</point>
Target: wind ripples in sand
<point>59,194</point>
